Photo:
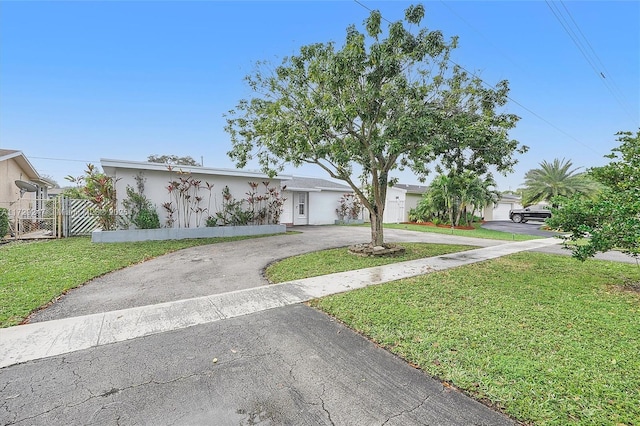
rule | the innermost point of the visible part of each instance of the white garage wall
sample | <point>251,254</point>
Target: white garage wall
<point>500,211</point>
<point>394,210</point>
<point>322,207</point>
<point>411,202</point>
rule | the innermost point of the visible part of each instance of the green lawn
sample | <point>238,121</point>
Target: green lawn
<point>340,260</point>
<point>34,273</point>
<point>549,340</point>
<point>478,232</point>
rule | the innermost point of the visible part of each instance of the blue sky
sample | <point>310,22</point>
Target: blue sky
<point>85,80</point>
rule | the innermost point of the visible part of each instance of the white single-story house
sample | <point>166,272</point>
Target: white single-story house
<point>307,201</point>
<point>312,201</point>
<point>191,207</point>
<point>500,210</point>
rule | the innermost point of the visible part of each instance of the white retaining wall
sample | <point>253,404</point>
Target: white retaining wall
<point>131,235</point>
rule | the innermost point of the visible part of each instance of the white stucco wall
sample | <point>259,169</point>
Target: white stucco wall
<point>394,210</point>
<point>10,171</point>
<point>411,202</point>
<point>157,182</point>
<point>322,207</point>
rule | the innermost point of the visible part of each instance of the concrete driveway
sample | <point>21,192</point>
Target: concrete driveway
<point>217,268</point>
<point>286,365</point>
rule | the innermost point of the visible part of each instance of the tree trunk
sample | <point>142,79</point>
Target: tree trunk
<point>379,188</point>
<point>377,234</point>
<point>458,215</point>
<point>451,213</point>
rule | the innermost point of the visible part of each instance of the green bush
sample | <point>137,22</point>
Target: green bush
<point>4,222</point>
<point>147,218</point>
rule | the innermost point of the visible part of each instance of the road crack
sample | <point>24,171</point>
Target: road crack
<point>409,411</point>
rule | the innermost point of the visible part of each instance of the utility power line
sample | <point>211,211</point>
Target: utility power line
<point>586,49</point>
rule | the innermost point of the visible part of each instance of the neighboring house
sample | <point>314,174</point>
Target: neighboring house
<point>312,201</point>
<point>54,192</point>
<point>25,202</point>
<point>157,178</point>
<point>14,166</point>
<point>401,198</point>
<point>500,210</point>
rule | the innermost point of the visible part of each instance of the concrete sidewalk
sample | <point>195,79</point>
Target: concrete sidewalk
<point>50,338</point>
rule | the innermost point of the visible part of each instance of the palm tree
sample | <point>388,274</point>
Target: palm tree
<point>474,193</point>
<point>442,191</point>
<point>483,192</point>
<point>453,195</point>
<point>553,179</point>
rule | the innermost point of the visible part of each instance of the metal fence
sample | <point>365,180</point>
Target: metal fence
<point>52,218</point>
<point>33,218</point>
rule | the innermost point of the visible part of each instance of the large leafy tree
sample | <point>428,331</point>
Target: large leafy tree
<point>612,219</point>
<point>554,179</point>
<point>385,100</point>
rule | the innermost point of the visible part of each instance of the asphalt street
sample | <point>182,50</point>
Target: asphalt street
<point>286,366</point>
<point>530,228</point>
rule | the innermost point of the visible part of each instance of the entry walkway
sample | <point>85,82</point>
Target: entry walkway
<point>45,339</point>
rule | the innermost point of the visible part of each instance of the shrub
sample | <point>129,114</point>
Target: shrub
<point>140,212</point>
<point>349,207</point>
<point>4,222</point>
<point>100,190</point>
<point>147,218</point>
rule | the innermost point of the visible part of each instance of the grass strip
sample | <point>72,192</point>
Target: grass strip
<point>549,340</point>
<point>339,260</point>
<point>34,273</point>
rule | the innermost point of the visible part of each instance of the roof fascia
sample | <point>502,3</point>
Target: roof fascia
<point>143,165</point>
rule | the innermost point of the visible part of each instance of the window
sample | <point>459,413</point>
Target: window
<point>301,203</point>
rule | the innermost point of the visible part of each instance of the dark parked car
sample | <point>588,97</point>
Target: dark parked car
<point>537,212</point>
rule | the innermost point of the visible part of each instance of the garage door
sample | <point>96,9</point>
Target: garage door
<point>501,212</point>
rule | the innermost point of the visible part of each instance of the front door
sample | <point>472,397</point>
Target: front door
<point>300,208</point>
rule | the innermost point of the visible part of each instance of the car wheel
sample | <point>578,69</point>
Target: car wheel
<point>516,218</point>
